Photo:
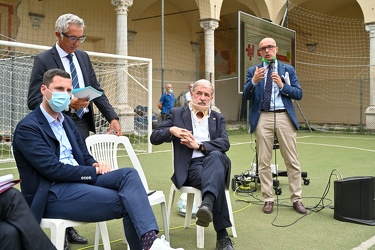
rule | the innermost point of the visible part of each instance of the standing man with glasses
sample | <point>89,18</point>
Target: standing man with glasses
<point>64,55</point>
<point>272,116</point>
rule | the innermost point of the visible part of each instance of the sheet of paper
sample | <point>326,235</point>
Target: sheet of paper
<point>86,92</point>
<point>6,182</point>
<point>6,178</point>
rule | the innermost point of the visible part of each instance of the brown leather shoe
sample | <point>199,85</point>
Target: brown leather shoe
<point>268,207</point>
<point>299,207</point>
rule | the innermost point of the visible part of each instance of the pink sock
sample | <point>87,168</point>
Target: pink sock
<point>148,239</point>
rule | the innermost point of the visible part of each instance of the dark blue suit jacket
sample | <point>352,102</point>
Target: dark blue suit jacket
<point>37,153</point>
<point>50,59</point>
<point>181,117</point>
<point>255,93</point>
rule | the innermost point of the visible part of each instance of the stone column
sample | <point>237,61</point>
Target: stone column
<point>209,26</point>
<point>124,111</point>
<point>195,48</point>
<point>370,111</point>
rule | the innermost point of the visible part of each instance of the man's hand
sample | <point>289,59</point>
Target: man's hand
<point>259,74</point>
<point>79,103</point>
<point>114,128</point>
<point>186,137</point>
<point>276,78</point>
<point>102,167</point>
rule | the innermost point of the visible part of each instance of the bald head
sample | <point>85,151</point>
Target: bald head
<point>268,41</point>
<point>268,48</point>
<point>169,88</point>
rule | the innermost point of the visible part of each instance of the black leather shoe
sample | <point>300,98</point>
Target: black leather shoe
<point>224,244</point>
<point>66,243</point>
<point>204,216</point>
<point>74,237</point>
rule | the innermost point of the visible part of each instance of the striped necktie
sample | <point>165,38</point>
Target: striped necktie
<point>74,77</point>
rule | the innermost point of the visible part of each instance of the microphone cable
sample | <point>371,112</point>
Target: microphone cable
<point>275,141</point>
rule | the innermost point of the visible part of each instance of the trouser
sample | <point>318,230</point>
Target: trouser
<point>286,136</point>
<point>208,174</point>
<point>18,227</point>
<point>117,194</point>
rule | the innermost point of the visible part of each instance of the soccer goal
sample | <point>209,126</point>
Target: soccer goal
<point>126,81</point>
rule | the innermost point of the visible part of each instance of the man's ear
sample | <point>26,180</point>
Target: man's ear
<point>43,89</point>
<point>58,35</point>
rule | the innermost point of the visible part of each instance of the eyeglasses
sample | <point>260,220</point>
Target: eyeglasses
<point>269,47</point>
<point>74,39</point>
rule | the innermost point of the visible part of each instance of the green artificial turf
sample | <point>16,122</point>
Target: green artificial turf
<point>325,157</point>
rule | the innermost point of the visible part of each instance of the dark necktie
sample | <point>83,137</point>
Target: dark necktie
<point>73,75</point>
<point>267,90</point>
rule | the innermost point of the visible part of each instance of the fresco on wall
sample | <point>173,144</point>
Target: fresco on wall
<point>221,62</point>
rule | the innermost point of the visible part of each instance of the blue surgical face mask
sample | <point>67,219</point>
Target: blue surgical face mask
<point>170,91</point>
<point>59,101</point>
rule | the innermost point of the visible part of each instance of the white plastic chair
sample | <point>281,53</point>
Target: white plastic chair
<point>104,147</point>
<point>194,194</point>
<point>58,228</point>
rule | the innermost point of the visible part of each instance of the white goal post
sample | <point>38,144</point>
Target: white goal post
<point>126,81</point>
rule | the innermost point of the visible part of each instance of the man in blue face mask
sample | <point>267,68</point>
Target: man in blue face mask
<point>59,100</point>
<point>61,180</point>
<point>166,101</point>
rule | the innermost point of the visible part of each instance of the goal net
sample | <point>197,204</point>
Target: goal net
<point>126,81</point>
<point>332,66</point>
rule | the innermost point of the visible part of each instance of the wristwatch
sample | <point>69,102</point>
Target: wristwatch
<point>200,146</point>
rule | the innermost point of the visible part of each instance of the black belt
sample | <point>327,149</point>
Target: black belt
<point>276,111</point>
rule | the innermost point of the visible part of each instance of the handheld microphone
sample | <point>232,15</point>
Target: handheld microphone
<point>272,63</point>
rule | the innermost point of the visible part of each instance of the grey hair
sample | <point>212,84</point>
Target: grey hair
<point>204,82</point>
<point>63,22</point>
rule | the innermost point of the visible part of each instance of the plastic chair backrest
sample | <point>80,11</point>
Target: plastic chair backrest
<point>104,147</point>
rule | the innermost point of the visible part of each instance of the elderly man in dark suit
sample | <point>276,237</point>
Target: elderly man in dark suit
<point>60,179</point>
<point>200,141</point>
<point>272,116</point>
<point>69,34</point>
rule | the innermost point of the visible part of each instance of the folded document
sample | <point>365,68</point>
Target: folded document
<point>86,92</point>
<point>6,182</point>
